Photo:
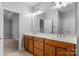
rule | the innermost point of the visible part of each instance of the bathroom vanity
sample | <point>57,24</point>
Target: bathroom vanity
<point>50,45</point>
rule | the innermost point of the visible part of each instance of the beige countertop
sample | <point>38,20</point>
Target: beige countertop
<point>66,38</point>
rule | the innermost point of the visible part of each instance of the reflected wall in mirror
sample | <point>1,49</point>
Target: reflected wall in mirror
<point>46,26</point>
<point>57,21</point>
<point>67,18</point>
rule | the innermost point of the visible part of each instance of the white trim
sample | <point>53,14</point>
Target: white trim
<point>19,20</point>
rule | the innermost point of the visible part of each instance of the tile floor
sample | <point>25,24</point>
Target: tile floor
<point>11,48</point>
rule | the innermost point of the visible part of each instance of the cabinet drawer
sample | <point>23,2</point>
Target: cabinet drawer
<point>38,39</point>
<point>60,44</point>
<point>38,44</point>
<point>70,53</point>
<point>35,38</point>
<point>29,37</point>
<point>38,52</point>
<point>64,52</point>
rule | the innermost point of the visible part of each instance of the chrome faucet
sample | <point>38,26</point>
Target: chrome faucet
<point>60,36</point>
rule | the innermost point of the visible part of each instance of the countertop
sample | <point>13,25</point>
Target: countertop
<point>66,38</point>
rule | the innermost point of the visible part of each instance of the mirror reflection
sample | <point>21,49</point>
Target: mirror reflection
<point>56,21</point>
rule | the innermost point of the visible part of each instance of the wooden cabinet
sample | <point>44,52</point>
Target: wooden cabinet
<point>38,43</point>
<point>28,43</point>
<point>60,48</point>
<point>49,50</point>
<point>60,44</point>
<point>70,53</point>
<point>61,52</point>
<point>64,52</point>
<point>47,47</point>
<point>38,52</point>
<point>38,46</point>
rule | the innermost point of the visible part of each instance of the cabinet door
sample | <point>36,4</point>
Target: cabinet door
<point>70,53</point>
<point>26,46</point>
<point>60,51</point>
<point>38,52</point>
<point>64,52</point>
<point>49,50</point>
<point>31,45</point>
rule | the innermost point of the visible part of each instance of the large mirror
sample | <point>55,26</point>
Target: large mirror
<point>56,21</point>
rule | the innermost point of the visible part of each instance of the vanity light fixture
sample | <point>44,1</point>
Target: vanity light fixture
<point>52,5</point>
<point>59,4</point>
<point>36,11</point>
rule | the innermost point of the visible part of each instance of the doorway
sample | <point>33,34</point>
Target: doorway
<point>11,32</point>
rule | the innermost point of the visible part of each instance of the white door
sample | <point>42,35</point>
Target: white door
<point>1,30</point>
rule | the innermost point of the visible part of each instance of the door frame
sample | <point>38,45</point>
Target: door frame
<point>8,9</point>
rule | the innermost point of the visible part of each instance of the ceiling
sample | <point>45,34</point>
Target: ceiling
<point>41,5</point>
<point>45,6</point>
<point>67,8</point>
<point>31,3</point>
